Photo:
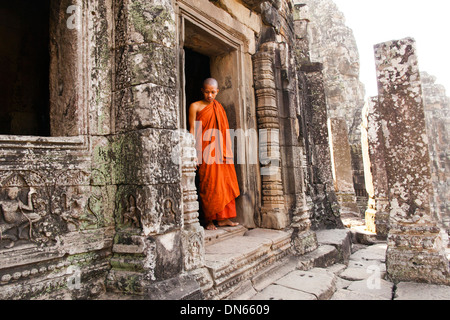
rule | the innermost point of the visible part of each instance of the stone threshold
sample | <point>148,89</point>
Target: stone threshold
<point>223,233</point>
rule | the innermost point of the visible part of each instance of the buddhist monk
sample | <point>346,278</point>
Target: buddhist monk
<point>218,188</point>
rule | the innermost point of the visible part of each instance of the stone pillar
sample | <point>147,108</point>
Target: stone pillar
<point>148,257</point>
<point>273,211</point>
<point>342,167</point>
<point>193,234</point>
<point>377,214</point>
<point>326,206</point>
<point>415,250</point>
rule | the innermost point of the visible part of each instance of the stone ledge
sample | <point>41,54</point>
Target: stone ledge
<point>340,239</point>
<point>323,257</point>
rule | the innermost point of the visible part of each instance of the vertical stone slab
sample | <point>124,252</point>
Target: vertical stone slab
<point>415,251</point>
<point>379,194</point>
<point>368,174</point>
<point>342,167</point>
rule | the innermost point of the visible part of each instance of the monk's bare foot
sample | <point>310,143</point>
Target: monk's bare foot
<point>210,226</point>
<point>227,223</point>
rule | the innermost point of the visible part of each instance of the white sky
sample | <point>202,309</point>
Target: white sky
<point>375,21</point>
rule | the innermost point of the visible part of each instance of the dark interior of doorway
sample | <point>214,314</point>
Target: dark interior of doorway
<point>24,65</point>
<point>197,69</point>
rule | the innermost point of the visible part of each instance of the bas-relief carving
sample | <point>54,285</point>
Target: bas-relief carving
<point>132,214</point>
<point>17,215</point>
<point>150,209</point>
<point>40,207</point>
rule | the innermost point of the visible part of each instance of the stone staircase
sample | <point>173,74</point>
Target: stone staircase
<point>235,257</point>
<point>244,263</point>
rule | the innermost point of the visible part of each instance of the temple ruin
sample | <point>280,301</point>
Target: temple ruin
<point>98,190</point>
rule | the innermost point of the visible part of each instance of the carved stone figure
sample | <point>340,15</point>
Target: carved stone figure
<point>132,215</point>
<point>15,216</point>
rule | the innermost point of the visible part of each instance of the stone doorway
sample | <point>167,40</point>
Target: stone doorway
<point>209,54</point>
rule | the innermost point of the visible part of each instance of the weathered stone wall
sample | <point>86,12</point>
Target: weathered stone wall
<point>325,206</point>
<point>372,142</point>
<point>341,163</point>
<point>313,136</point>
<point>148,245</point>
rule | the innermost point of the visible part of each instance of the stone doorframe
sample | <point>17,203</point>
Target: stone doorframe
<point>230,45</point>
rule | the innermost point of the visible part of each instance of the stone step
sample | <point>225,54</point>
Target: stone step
<point>222,234</point>
<point>242,258</point>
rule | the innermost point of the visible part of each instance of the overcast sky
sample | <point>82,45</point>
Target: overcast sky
<point>383,20</point>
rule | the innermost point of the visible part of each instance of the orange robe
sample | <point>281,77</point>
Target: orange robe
<point>218,187</point>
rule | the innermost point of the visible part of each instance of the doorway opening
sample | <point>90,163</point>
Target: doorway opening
<point>207,53</point>
<point>197,69</point>
<point>25,64</point>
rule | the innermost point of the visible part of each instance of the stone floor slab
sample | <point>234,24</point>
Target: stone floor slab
<point>379,288</point>
<point>421,291</point>
<point>374,252</point>
<point>223,233</point>
<point>278,292</point>
<point>347,295</point>
<point>318,282</point>
<point>362,270</point>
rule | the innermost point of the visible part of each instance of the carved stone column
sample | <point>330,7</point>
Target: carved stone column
<point>415,249</point>
<point>273,211</point>
<point>193,233</point>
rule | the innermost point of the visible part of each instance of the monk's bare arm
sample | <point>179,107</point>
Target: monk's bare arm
<point>192,117</point>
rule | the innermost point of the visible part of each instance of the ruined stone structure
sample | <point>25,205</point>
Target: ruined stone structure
<point>333,44</point>
<point>103,201</point>
<point>436,116</point>
<point>416,251</point>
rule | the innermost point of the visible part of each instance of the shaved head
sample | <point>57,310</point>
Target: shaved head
<point>211,82</point>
